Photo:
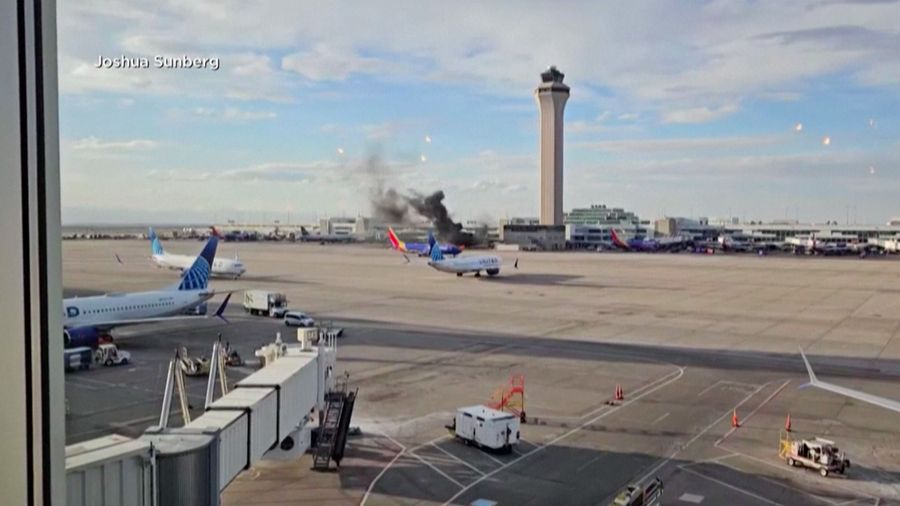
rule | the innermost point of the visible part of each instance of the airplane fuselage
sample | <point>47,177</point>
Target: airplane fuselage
<point>462,265</point>
<point>224,267</point>
<point>94,310</point>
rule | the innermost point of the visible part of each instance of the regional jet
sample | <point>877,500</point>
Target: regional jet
<point>462,265</point>
<point>847,392</point>
<point>87,319</point>
<point>421,248</point>
<point>220,267</point>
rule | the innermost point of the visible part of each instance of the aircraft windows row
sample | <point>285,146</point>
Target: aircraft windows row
<point>129,308</point>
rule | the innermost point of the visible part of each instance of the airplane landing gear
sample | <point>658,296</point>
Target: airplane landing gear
<point>459,274</point>
<point>477,274</point>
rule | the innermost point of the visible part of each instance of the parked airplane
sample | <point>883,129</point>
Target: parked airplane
<point>462,265</point>
<point>643,244</point>
<point>86,319</point>
<point>305,236</point>
<point>220,267</point>
<point>421,248</point>
<point>847,392</point>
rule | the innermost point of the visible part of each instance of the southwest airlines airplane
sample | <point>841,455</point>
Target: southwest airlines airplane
<point>462,265</point>
<point>220,267</point>
<point>86,319</point>
<point>420,248</point>
<point>847,392</point>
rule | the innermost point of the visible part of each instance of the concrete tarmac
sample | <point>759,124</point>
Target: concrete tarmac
<point>691,339</point>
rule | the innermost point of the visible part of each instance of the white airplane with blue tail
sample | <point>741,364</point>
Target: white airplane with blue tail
<point>87,319</point>
<point>224,267</point>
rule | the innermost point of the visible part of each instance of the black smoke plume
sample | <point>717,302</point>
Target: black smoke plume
<point>392,206</point>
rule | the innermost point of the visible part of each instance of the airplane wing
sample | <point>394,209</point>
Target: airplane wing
<point>848,392</point>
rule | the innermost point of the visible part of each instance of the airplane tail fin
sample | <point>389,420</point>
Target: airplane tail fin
<point>431,241</point>
<point>197,277</point>
<point>396,243</point>
<point>304,232</point>
<point>436,254</point>
<point>155,246</point>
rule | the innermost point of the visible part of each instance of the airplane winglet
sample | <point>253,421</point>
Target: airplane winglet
<point>221,310</point>
<point>812,375</point>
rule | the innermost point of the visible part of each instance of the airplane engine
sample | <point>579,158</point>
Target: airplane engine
<point>82,336</point>
<point>492,272</point>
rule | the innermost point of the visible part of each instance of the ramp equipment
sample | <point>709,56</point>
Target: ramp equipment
<point>511,397</point>
<point>332,437</point>
<point>175,380</point>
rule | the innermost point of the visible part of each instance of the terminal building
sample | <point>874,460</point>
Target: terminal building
<point>590,227</point>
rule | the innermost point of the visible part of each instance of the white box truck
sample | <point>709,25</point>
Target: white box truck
<point>486,428</point>
<point>264,302</point>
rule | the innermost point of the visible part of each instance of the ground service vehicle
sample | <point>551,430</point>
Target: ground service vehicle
<point>298,319</point>
<point>109,354</point>
<point>78,358</point>
<point>819,454</point>
<point>486,428</point>
<point>264,302</point>
<point>640,494</point>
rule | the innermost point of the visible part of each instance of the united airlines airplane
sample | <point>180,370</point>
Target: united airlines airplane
<point>221,267</point>
<point>86,319</point>
<point>462,265</point>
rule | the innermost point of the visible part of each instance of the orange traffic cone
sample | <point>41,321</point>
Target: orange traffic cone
<point>734,419</point>
<point>787,423</point>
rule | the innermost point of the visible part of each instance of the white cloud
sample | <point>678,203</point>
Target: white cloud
<point>698,114</point>
<point>628,116</point>
<point>643,146</point>
<point>325,62</point>
<point>233,114</point>
<point>97,145</point>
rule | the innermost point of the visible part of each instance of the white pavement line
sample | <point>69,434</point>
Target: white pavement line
<point>384,469</point>
<point>720,458</point>
<point>780,485</point>
<point>836,483</point>
<point>433,441</point>
<point>442,473</point>
<point>769,398</point>
<point>697,436</point>
<point>461,461</point>
<point>732,487</point>
<point>663,381</point>
<point>661,418</point>
<point>725,382</point>
<point>589,462</point>
<point>498,461</point>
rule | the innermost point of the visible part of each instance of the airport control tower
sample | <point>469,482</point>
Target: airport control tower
<point>551,96</point>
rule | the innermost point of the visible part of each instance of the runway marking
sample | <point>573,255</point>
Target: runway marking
<point>799,473</point>
<point>589,462</point>
<point>725,382</point>
<point>656,385</point>
<point>732,487</point>
<point>435,468</point>
<point>498,461</point>
<point>691,498</point>
<point>712,460</point>
<point>768,399</point>
<point>461,461</point>
<point>661,418</point>
<point>697,436</point>
<point>384,469</point>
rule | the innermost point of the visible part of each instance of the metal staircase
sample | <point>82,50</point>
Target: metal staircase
<point>332,437</point>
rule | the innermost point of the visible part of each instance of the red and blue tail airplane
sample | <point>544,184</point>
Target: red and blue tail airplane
<point>639,244</point>
<point>422,249</point>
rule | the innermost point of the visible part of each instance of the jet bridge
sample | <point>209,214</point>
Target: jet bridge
<point>267,414</point>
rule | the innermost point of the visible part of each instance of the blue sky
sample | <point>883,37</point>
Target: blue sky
<point>676,108</point>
